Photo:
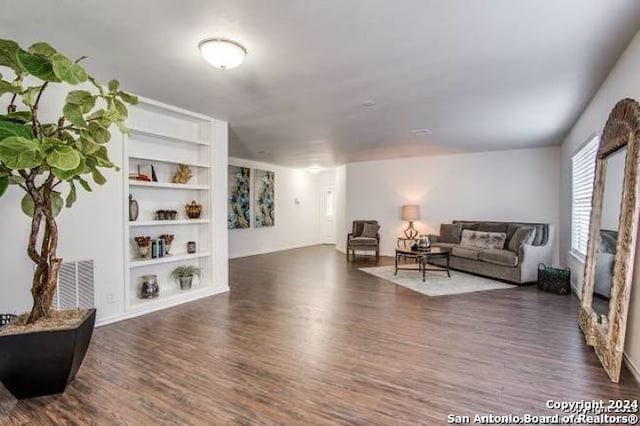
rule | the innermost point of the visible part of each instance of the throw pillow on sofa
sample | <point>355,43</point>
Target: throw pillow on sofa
<point>450,233</point>
<point>483,240</point>
<point>523,236</point>
<point>370,230</point>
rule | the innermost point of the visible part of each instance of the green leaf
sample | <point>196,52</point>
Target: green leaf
<point>8,55</point>
<point>72,197</point>
<point>101,157</point>
<point>98,177</point>
<point>42,49</point>
<point>20,153</point>
<point>66,175</point>
<point>84,184</point>
<point>37,65</point>
<point>98,133</point>
<point>4,184</point>
<point>128,98</point>
<point>121,109</point>
<point>61,156</point>
<point>78,97</point>
<point>113,85</point>
<point>30,95</point>
<point>18,116</point>
<point>73,113</point>
<point>68,71</point>
<point>28,206</point>
<point>6,87</point>
<point>8,128</point>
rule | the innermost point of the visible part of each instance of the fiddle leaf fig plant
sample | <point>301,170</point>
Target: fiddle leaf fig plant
<point>52,161</point>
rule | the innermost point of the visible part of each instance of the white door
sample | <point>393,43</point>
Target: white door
<point>327,214</point>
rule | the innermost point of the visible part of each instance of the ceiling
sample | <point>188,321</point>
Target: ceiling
<point>481,75</point>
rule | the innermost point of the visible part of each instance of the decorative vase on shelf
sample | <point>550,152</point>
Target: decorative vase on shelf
<point>143,244</point>
<point>149,287</point>
<point>168,240</point>
<point>193,210</point>
<point>134,209</point>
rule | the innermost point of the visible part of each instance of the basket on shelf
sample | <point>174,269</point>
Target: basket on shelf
<point>554,280</point>
<point>193,210</point>
<point>6,319</point>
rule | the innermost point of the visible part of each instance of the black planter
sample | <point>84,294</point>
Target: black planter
<point>44,362</point>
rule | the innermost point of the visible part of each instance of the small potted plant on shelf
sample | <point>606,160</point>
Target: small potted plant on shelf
<point>41,351</point>
<point>184,275</point>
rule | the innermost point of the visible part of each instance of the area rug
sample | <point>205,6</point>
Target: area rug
<point>437,283</point>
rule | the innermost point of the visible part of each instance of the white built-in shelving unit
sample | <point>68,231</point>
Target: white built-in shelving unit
<point>165,136</point>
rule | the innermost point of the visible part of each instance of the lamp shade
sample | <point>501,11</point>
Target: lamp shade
<point>411,212</point>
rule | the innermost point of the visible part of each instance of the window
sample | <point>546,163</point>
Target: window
<point>583,167</point>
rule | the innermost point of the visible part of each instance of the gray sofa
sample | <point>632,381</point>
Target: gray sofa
<point>519,266</point>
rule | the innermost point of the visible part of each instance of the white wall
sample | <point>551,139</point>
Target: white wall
<point>92,229</point>
<point>516,185</point>
<point>296,225</point>
<point>622,82</point>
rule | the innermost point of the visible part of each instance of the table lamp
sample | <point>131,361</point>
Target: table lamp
<point>411,212</point>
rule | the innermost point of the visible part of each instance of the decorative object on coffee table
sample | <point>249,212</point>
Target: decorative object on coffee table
<point>358,240</point>
<point>554,280</point>
<point>183,174</point>
<point>144,246</point>
<point>405,242</point>
<point>168,240</point>
<point>422,258</point>
<point>134,209</point>
<point>193,210</point>
<point>184,274</point>
<point>410,212</point>
<point>149,288</point>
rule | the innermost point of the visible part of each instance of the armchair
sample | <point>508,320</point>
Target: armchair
<point>357,241</point>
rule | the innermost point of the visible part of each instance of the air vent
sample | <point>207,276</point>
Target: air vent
<point>75,285</point>
<point>421,132</point>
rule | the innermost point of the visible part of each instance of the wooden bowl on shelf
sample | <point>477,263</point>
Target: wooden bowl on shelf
<point>193,210</point>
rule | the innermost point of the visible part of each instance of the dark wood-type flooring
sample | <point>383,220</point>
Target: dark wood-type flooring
<point>305,338</point>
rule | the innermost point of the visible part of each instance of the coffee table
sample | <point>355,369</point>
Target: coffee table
<point>422,258</point>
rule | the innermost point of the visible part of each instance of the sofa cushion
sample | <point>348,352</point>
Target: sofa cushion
<point>472,226</point>
<point>370,230</point>
<point>466,252</point>
<point>450,233</point>
<point>539,237</point>
<point>499,257</point>
<point>363,241</point>
<point>493,227</point>
<point>483,240</point>
<point>448,246</point>
<point>523,236</point>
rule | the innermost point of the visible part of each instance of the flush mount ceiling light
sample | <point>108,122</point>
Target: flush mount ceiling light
<point>222,53</point>
<point>314,169</point>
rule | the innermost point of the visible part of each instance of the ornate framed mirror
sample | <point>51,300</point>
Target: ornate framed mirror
<point>612,237</point>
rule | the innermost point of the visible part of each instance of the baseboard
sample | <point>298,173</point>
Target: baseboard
<point>140,312</point>
<point>635,371</point>
<point>272,250</point>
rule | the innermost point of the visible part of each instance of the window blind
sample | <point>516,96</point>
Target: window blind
<point>583,168</point>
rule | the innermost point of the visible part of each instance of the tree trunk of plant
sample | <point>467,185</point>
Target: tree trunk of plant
<point>45,277</point>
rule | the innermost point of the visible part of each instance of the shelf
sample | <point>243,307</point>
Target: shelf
<point>162,136</point>
<point>168,222</point>
<point>173,295</point>
<point>167,185</point>
<point>162,160</point>
<point>167,259</point>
